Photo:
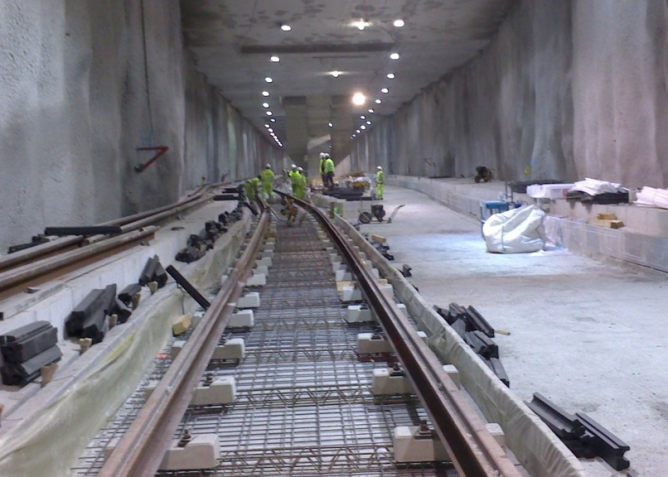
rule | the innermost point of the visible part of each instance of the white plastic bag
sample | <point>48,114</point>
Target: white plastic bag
<point>516,231</point>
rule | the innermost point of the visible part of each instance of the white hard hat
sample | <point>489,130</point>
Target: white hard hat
<point>268,166</point>
<point>301,169</point>
<point>379,167</point>
<point>323,155</point>
<point>294,166</point>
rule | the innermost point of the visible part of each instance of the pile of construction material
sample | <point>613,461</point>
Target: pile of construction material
<point>199,244</point>
<point>26,350</point>
<point>380,244</point>
<point>478,333</point>
<point>592,191</point>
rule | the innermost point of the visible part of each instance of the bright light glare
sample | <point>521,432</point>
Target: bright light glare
<point>330,125</point>
<point>378,101</point>
<point>286,27</point>
<point>359,99</point>
<point>269,113</point>
<point>336,74</point>
<point>369,123</point>
<point>362,117</point>
<point>399,23</point>
<point>266,105</point>
<point>265,93</point>
<point>272,120</point>
<point>371,111</point>
<point>390,75</point>
<point>385,90</point>
<point>362,126</point>
<point>269,80</point>
<point>394,56</point>
<point>275,59</point>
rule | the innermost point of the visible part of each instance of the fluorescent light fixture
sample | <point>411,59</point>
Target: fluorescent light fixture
<point>266,105</point>
<point>359,99</point>
<point>336,74</point>
<point>275,59</point>
<point>385,90</point>
<point>265,93</point>
<point>361,24</point>
<point>378,101</point>
<point>390,75</point>
<point>269,113</point>
<point>285,27</point>
<point>394,56</point>
<point>399,23</point>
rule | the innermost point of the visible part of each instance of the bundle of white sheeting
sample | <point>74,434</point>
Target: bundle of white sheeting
<point>651,197</point>
<point>595,187</point>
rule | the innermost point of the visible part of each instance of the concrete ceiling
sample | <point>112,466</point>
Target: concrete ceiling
<point>234,40</point>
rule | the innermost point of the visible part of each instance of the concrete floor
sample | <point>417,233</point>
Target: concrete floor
<point>588,335</point>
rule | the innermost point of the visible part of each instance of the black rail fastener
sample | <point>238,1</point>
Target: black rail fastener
<point>478,322</point>
<point>563,424</point>
<point>191,290</point>
<point>36,240</point>
<point>226,197</point>
<point>128,293</point>
<point>21,374</point>
<point>604,443</point>
<point>89,230</point>
<point>26,342</point>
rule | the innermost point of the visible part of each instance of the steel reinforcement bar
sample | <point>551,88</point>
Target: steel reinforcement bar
<point>143,446</point>
<point>473,450</point>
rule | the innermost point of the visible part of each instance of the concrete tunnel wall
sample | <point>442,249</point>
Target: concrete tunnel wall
<point>75,102</point>
<point>571,89</point>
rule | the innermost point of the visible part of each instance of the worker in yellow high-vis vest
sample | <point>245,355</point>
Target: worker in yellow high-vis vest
<point>380,182</point>
<point>267,183</point>
<point>329,171</point>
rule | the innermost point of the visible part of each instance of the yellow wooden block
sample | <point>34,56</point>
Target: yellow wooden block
<point>181,324</point>
<point>378,238</point>
<point>340,285</point>
<point>606,217</point>
<point>611,224</point>
<point>382,281</point>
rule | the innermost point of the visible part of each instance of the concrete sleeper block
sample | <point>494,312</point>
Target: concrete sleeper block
<point>452,371</point>
<point>232,349</point>
<point>249,300</point>
<point>369,343</point>
<point>384,382</point>
<point>358,314</point>
<point>200,453</point>
<point>409,447</point>
<point>350,294</point>
<point>257,280</point>
<point>241,319</point>
<point>176,348</point>
<point>222,390</point>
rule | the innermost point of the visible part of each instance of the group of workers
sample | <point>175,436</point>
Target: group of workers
<point>298,181</point>
<point>263,182</point>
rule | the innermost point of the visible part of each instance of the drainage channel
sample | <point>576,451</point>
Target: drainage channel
<point>304,403</point>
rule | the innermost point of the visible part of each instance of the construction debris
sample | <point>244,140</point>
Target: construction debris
<point>607,220</point>
<point>26,350</point>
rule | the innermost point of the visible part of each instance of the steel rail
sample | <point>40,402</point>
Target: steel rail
<point>141,450</point>
<point>39,271</point>
<point>473,450</point>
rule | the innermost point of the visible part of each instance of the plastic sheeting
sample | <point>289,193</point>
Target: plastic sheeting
<point>651,197</point>
<point>516,231</point>
<point>595,187</point>
<point>540,452</point>
<point>50,431</point>
<point>549,191</point>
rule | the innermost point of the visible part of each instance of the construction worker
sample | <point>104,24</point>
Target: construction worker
<point>295,179</point>
<point>300,189</point>
<point>267,183</point>
<point>380,182</point>
<point>251,188</point>
<point>329,171</point>
<point>323,174</point>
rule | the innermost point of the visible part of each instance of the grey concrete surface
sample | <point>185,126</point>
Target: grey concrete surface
<point>78,97</point>
<point>568,89</point>
<point>586,334</point>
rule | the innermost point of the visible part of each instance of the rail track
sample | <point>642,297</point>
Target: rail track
<point>304,404</point>
<point>35,265</point>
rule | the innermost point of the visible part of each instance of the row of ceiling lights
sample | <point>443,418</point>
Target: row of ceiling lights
<point>358,98</point>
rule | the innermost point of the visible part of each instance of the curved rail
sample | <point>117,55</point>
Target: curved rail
<point>471,447</point>
<point>141,449</point>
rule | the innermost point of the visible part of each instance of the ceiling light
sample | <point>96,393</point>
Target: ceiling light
<point>394,56</point>
<point>270,130</point>
<point>269,80</point>
<point>369,123</point>
<point>378,101</point>
<point>385,90</point>
<point>399,23</point>
<point>330,125</point>
<point>362,117</point>
<point>362,126</point>
<point>359,99</point>
<point>275,59</point>
<point>267,126</point>
<point>336,74</point>
<point>272,120</point>
<point>371,111</point>
<point>265,93</point>
<point>390,75</point>
<point>266,105</point>
<point>269,113</point>
<point>361,24</point>
<point>285,27</point>
<point>358,131</point>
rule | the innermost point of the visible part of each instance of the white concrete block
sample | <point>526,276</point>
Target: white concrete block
<point>387,289</point>
<point>176,348</point>
<point>358,314</point>
<point>241,319</point>
<point>369,343</point>
<point>375,272</point>
<point>336,266</point>
<point>200,453</point>
<point>249,300</point>
<point>350,294</point>
<point>408,447</point>
<point>385,382</point>
<point>232,349</point>
<point>197,317</point>
<point>422,335</point>
<point>343,275</point>
<point>264,262</point>
<point>267,254</point>
<point>261,270</point>
<point>223,390</point>
<point>497,433</point>
<point>257,280</point>
<point>150,387</point>
<point>403,309</point>
<point>453,372</point>
<point>269,247</point>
